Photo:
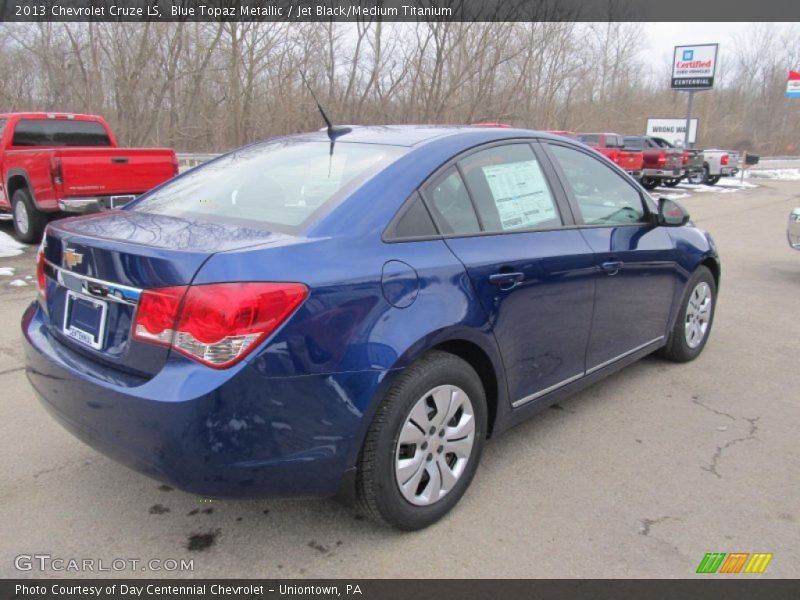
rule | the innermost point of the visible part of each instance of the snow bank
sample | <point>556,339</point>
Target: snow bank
<point>9,246</point>
<point>782,174</point>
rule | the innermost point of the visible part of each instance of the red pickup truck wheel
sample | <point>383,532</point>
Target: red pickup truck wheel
<point>29,222</point>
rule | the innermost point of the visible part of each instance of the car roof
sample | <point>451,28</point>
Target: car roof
<point>50,115</point>
<point>417,135</point>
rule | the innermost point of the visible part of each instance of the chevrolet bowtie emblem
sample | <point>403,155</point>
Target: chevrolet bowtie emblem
<point>72,258</point>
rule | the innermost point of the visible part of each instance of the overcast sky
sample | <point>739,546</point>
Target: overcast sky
<point>663,37</point>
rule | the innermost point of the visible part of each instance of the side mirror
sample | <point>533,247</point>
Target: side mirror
<point>671,213</point>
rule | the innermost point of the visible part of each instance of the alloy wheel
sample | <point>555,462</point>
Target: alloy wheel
<point>434,445</point>
<point>698,314</point>
<point>21,217</point>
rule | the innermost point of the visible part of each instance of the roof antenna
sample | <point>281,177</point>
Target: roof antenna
<point>334,131</point>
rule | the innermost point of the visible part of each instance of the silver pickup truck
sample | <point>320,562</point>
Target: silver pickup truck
<point>716,164</point>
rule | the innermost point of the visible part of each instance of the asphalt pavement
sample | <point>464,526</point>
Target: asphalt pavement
<point>638,476</point>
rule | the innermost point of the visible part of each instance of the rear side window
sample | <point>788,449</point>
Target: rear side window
<point>281,184</point>
<point>590,139</point>
<point>2,127</point>
<point>59,132</point>
<point>602,195</point>
<point>451,204</point>
<point>510,189</point>
<point>412,222</point>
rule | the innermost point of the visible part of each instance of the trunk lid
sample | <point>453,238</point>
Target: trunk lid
<point>114,171</point>
<point>97,266</point>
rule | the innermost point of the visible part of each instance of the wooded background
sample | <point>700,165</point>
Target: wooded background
<point>207,87</point>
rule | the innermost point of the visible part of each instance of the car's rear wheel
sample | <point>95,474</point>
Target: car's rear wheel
<point>29,223</point>
<point>712,180</point>
<point>424,444</point>
<point>671,182</point>
<point>693,325</point>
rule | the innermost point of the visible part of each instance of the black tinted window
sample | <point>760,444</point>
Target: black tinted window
<point>634,143</point>
<point>59,132</point>
<point>413,222</point>
<point>451,205</point>
<point>603,196</point>
<point>510,189</point>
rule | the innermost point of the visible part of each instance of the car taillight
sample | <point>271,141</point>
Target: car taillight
<point>215,324</point>
<point>55,171</point>
<point>614,156</point>
<point>685,157</point>
<point>662,159</point>
<point>41,278</point>
<point>724,160</point>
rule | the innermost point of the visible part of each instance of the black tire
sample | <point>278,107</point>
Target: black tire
<point>712,180</point>
<point>33,222</point>
<point>678,348</point>
<point>670,182</point>
<point>378,494</point>
<point>649,183</point>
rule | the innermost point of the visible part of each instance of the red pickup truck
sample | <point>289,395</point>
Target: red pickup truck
<point>613,146</point>
<point>55,162</point>
<point>662,164</point>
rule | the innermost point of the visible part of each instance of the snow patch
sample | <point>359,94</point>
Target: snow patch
<point>18,283</point>
<point>782,174</point>
<point>7,271</point>
<point>9,246</point>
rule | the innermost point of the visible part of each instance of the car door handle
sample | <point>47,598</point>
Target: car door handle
<point>121,160</point>
<point>612,266</point>
<point>506,281</point>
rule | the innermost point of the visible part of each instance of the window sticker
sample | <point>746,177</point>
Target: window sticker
<point>520,193</point>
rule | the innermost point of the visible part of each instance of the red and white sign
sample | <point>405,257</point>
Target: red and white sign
<point>793,85</point>
<point>694,67</point>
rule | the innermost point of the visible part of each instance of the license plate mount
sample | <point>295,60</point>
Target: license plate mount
<point>85,319</point>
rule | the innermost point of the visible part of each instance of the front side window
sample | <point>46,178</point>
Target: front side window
<point>510,189</point>
<point>602,195</point>
<point>280,183</point>
<point>59,132</point>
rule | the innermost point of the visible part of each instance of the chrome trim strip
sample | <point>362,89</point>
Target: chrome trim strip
<point>547,390</point>
<point>569,380</point>
<point>623,355</point>
<point>116,292</point>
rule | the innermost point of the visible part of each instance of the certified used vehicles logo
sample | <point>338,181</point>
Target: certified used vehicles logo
<point>734,562</point>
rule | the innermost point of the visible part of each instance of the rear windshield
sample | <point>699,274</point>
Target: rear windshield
<point>634,143</point>
<point>59,132</point>
<point>589,138</point>
<point>279,184</point>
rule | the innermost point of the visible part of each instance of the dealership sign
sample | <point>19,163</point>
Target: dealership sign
<point>793,85</point>
<point>672,130</point>
<point>693,67</point>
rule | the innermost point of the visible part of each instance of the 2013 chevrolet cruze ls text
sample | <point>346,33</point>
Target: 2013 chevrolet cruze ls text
<point>308,316</point>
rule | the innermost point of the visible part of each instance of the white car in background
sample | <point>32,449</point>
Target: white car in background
<point>716,164</point>
<point>793,230</point>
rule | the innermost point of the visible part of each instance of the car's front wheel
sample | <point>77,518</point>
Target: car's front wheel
<point>693,325</point>
<point>424,443</point>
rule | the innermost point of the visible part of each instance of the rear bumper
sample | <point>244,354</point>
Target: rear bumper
<point>92,203</point>
<point>728,171</point>
<point>636,174</point>
<point>663,173</point>
<point>235,433</point>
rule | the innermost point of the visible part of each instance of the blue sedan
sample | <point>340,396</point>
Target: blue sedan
<point>355,315</point>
